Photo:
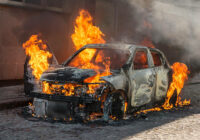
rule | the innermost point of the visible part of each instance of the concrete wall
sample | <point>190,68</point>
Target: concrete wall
<point>11,53</point>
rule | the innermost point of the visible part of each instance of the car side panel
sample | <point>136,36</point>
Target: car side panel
<point>143,82</point>
<point>162,77</point>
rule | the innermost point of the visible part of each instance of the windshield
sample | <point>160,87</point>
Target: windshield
<point>100,58</point>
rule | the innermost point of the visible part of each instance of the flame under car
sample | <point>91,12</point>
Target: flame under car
<point>129,77</point>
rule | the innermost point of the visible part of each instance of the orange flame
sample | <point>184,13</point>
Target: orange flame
<point>86,33</point>
<point>149,110</point>
<point>36,49</point>
<point>180,74</point>
<point>67,89</point>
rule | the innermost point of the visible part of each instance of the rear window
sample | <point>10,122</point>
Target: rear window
<point>156,59</point>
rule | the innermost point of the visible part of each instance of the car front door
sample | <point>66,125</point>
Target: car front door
<point>142,76</point>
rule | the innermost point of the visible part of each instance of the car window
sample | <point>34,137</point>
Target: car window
<point>116,57</point>
<point>156,59</point>
<point>140,60</point>
<point>99,58</point>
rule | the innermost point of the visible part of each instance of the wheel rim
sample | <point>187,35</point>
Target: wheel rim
<point>114,106</point>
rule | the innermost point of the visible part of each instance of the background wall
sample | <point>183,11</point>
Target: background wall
<point>19,20</point>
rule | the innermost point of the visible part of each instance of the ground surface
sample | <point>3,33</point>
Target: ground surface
<point>181,124</point>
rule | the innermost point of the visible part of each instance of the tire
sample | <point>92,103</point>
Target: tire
<point>114,106</point>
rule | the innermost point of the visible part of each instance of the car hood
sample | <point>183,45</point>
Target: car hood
<point>66,74</point>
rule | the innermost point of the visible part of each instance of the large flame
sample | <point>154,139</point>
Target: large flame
<point>86,33</point>
<point>180,74</point>
<point>35,48</point>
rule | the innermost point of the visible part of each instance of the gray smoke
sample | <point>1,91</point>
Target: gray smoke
<point>175,27</point>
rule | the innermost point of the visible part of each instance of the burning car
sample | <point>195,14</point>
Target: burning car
<point>111,81</point>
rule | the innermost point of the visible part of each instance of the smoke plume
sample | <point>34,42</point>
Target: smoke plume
<point>174,27</point>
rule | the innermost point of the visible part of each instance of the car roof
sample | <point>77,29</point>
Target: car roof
<point>115,46</point>
<point>122,46</point>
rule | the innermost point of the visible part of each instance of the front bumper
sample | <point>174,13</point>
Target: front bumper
<point>54,97</point>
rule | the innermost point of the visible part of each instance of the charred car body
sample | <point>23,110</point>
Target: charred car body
<point>139,76</point>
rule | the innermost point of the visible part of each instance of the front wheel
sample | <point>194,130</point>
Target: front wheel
<point>114,106</point>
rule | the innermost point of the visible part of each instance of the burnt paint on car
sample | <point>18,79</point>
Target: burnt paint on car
<point>141,86</point>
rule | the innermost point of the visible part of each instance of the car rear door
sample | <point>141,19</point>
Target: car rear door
<point>142,77</point>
